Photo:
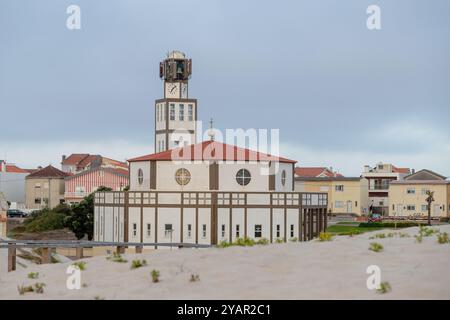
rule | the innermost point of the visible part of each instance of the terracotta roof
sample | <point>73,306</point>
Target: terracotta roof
<point>74,159</point>
<point>48,172</point>
<point>89,160</point>
<point>211,150</point>
<point>315,172</point>
<point>400,170</point>
<point>15,169</point>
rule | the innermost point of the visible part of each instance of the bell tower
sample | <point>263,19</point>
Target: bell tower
<point>176,113</point>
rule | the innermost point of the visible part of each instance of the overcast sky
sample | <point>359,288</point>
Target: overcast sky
<point>341,95</point>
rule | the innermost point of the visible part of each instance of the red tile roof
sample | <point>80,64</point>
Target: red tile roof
<point>315,172</point>
<point>401,170</point>
<point>74,159</point>
<point>15,169</point>
<point>48,172</point>
<point>211,150</point>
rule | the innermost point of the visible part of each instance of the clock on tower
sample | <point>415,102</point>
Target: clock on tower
<point>176,113</point>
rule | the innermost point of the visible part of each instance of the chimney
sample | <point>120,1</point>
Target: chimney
<point>63,158</point>
<point>413,171</point>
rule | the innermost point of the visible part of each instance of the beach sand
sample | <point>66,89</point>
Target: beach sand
<point>308,270</point>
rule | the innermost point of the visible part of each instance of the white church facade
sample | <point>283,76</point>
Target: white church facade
<point>206,192</point>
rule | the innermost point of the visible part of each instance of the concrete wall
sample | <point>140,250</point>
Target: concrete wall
<point>12,185</point>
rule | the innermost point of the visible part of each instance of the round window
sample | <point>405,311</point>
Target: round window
<point>283,177</point>
<point>140,176</point>
<point>182,176</point>
<point>243,177</point>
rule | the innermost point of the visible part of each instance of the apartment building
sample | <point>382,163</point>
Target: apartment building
<point>379,179</point>
<point>346,195</point>
<point>408,197</point>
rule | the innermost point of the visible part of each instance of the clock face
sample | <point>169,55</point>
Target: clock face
<point>172,90</point>
<point>184,90</point>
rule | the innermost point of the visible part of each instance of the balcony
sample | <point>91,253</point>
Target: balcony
<point>75,195</point>
<point>383,187</point>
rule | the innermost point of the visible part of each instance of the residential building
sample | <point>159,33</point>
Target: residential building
<point>12,182</point>
<point>45,188</point>
<point>379,178</point>
<point>3,217</point>
<point>207,192</point>
<point>407,197</point>
<point>80,185</point>
<point>346,195</point>
<point>79,162</point>
<point>318,172</point>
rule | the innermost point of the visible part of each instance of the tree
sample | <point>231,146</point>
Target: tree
<point>81,220</point>
<point>429,200</point>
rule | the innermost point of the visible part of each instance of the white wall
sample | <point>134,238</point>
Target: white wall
<point>134,184</point>
<point>166,176</point>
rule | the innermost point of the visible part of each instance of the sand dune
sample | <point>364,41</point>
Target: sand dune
<point>312,270</point>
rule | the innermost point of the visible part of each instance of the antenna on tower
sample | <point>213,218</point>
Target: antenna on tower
<point>211,131</point>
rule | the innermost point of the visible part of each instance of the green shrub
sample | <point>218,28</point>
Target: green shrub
<point>45,220</point>
<point>80,265</point>
<point>325,236</point>
<point>376,247</point>
<point>279,240</point>
<point>33,275</point>
<point>138,263</point>
<point>24,289</point>
<point>155,276</point>
<point>224,244</point>
<point>293,239</point>
<point>385,287</point>
<point>262,241</point>
<point>194,278</point>
<point>116,257</point>
<point>443,238</point>
<point>39,287</point>
<point>388,224</point>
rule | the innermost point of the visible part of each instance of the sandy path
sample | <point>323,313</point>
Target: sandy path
<point>313,270</point>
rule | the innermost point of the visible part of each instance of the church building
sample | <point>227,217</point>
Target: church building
<point>205,192</point>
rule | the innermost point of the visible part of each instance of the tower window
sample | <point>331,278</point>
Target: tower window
<point>278,231</point>
<point>190,112</point>
<point>223,231</point>
<point>243,177</point>
<point>237,231</point>
<point>189,230</point>
<point>181,113</point>
<point>292,230</point>
<point>172,112</point>
<point>149,229</point>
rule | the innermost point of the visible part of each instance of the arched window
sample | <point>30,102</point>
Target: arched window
<point>182,176</point>
<point>283,177</point>
<point>140,176</point>
<point>243,177</point>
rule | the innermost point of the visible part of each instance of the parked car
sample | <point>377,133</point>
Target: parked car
<point>14,213</point>
<point>375,217</point>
